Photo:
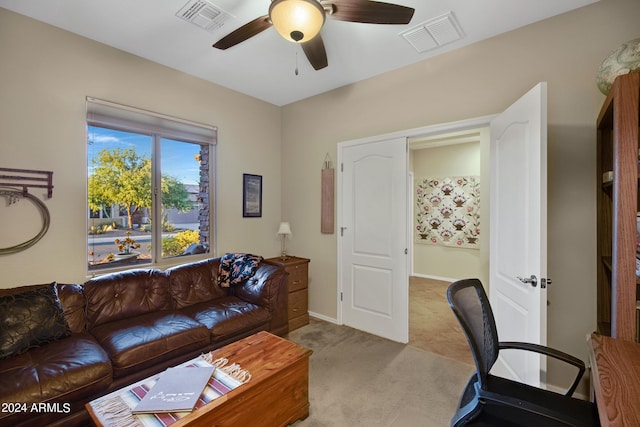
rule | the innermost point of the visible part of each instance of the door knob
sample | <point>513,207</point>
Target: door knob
<point>533,280</point>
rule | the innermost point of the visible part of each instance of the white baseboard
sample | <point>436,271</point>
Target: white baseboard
<point>323,317</point>
<point>428,276</point>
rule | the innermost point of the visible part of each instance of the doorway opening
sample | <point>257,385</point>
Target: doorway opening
<point>438,253</point>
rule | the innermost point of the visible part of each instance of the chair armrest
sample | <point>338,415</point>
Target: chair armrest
<point>548,351</point>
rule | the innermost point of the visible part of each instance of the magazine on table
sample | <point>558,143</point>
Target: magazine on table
<point>177,390</point>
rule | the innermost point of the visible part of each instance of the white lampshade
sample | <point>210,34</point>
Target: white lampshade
<point>285,229</point>
<point>297,20</point>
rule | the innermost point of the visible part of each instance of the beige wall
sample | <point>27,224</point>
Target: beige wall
<point>446,262</point>
<point>479,80</point>
<point>45,75</point>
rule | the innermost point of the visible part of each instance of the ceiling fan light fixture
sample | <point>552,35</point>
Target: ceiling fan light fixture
<point>297,20</point>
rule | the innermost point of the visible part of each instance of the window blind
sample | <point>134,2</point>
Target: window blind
<point>122,117</point>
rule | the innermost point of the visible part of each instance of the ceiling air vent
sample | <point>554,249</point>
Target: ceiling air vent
<point>204,14</point>
<point>433,33</point>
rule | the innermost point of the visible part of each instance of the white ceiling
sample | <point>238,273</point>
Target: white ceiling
<point>263,66</point>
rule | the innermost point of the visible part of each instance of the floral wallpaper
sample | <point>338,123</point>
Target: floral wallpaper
<point>448,211</point>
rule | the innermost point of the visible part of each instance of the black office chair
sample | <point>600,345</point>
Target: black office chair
<point>489,400</point>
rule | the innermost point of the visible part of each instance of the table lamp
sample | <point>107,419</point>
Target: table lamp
<point>284,232</point>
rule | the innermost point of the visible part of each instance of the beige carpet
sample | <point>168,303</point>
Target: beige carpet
<point>358,379</point>
<point>432,325</point>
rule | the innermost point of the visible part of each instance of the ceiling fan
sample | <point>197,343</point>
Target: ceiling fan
<point>300,21</point>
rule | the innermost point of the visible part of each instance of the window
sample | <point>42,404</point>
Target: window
<point>149,186</point>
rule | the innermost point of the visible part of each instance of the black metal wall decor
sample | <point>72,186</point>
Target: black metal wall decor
<point>15,184</point>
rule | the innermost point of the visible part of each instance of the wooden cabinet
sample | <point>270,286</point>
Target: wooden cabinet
<point>298,269</point>
<point>618,149</point>
<point>615,380</point>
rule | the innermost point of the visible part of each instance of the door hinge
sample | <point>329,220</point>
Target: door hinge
<point>340,296</point>
<point>341,167</point>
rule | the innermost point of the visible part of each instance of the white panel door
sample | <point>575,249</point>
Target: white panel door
<point>372,259</point>
<point>518,233</point>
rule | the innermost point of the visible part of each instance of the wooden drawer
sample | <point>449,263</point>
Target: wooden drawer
<point>298,276</point>
<point>297,268</point>
<point>298,303</point>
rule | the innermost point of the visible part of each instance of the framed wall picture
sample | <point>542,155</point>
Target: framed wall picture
<point>251,196</point>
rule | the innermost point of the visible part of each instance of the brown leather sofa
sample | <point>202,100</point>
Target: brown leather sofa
<point>123,327</point>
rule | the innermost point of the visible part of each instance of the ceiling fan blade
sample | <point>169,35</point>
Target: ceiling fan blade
<point>243,33</point>
<point>370,12</point>
<point>315,52</point>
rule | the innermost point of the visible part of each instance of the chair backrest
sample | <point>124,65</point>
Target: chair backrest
<point>470,304</point>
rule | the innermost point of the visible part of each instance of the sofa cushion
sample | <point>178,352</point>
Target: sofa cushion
<point>73,303</point>
<point>228,316</point>
<point>194,282</point>
<point>65,370</point>
<point>30,319</point>
<point>133,344</point>
<point>126,294</point>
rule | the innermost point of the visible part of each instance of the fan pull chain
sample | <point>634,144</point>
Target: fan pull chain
<point>296,70</point>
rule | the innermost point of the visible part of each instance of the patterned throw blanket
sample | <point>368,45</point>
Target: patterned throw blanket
<point>236,268</point>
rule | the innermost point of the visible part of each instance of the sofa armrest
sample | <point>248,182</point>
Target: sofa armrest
<point>268,288</point>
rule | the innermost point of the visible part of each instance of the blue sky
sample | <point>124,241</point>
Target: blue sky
<point>177,157</point>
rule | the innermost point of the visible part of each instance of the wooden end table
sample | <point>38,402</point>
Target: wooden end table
<point>298,287</point>
<point>276,395</point>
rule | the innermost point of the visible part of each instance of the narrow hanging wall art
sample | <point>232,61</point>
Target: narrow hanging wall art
<point>327,199</point>
<point>448,211</point>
